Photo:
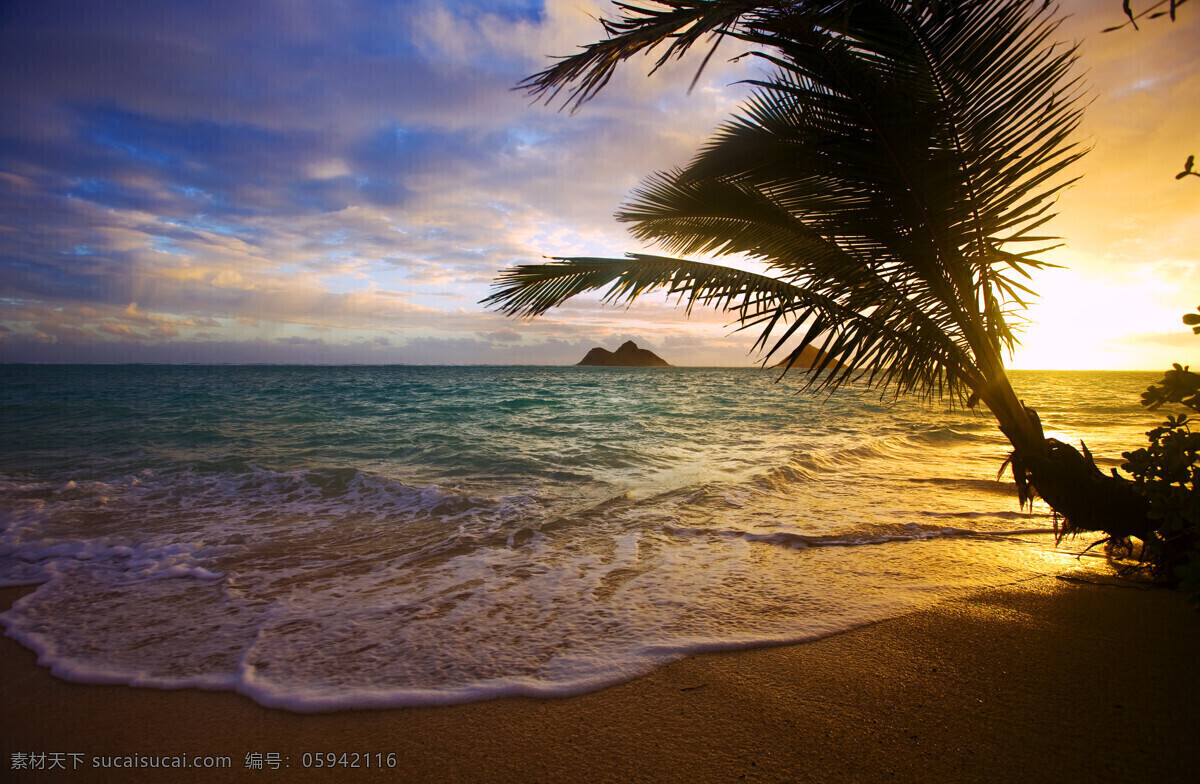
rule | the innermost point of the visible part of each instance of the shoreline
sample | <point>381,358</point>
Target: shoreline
<point>1046,680</point>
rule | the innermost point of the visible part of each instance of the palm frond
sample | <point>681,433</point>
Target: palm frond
<point>677,23</point>
<point>841,333</point>
<point>879,173</point>
<point>532,289</point>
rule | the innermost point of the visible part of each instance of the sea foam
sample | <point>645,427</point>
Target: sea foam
<point>374,537</point>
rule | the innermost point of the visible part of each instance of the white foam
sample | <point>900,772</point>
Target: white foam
<point>331,589</point>
<point>907,532</point>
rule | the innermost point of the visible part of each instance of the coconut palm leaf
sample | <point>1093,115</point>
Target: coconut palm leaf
<point>676,25</point>
<point>639,29</point>
<point>882,174</point>
<point>756,301</point>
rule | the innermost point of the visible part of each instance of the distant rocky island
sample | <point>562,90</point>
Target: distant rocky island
<point>628,355</point>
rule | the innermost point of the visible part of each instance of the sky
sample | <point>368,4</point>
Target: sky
<point>304,181</point>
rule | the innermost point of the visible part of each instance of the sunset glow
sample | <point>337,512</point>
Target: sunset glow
<point>340,184</point>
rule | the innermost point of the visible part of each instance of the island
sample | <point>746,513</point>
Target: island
<point>628,355</point>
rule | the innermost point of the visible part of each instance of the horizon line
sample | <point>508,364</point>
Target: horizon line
<point>494,364</point>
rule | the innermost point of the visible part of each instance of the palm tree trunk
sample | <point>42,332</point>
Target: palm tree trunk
<point>1083,496</point>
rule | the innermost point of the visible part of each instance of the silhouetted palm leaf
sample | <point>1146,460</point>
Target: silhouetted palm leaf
<point>882,175</point>
<point>677,23</point>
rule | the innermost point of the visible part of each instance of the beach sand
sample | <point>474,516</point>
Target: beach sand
<point>1048,680</point>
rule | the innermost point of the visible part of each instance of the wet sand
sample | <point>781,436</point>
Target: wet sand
<point>1048,680</point>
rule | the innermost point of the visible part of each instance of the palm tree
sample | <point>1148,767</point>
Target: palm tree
<point>887,174</point>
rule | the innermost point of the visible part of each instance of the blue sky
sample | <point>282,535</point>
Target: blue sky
<point>339,182</point>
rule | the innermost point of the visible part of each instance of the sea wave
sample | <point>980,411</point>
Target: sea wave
<point>874,535</point>
<point>323,538</point>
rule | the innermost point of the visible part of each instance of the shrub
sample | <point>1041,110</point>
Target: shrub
<point>1167,474</point>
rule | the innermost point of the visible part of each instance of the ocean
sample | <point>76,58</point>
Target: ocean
<point>321,538</point>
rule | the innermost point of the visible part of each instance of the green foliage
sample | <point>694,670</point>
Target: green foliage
<point>1166,470</point>
<point>1167,474</point>
<point>1178,385</point>
<point>1193,321</point>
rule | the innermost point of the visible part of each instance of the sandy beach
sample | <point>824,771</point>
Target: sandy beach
<point>1047,680</point>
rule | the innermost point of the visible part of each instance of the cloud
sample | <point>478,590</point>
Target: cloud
<point>251,175</point>
<point>506,335</point>
<point>220,175</point>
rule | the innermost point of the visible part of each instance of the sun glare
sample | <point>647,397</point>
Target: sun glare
<point>1084,324</point>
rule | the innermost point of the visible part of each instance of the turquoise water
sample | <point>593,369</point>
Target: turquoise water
<point>322,537</point>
